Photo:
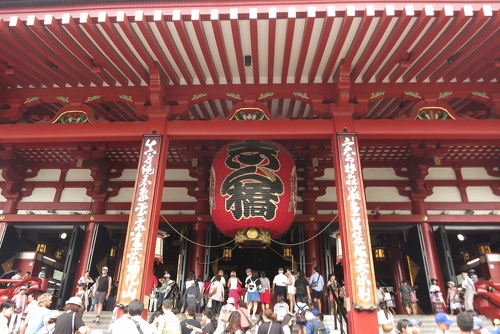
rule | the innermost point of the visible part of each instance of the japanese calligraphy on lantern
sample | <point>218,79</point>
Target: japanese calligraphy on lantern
<point>138,229</point>
<point>357,236</point>
<point>254,178</point>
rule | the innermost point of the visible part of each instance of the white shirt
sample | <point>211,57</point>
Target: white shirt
<point>280,279</point>
<point>126,324</point>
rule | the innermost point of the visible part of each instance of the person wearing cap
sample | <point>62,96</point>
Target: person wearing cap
<point>416,325</point>
<point>102,290</point>
<point>453,298</point>
<point>470,291</point>
<point>443,322</point>
<point>279,284</point>
<point>82,294</point>
<point>70,320</point>
<point>226,310</point>
<point>21,301</point>
<point>465,322</point>
<point>478,326</point>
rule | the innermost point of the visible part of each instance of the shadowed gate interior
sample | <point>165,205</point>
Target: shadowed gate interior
<point>417,264</point>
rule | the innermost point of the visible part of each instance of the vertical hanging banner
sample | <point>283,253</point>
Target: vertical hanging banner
<point>138,230</point>
<point>364,295</point>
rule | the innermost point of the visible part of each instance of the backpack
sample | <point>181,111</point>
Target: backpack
<point>252,287</point>
<point>301,289</point>
<point>300,314</point>
<point>319,327</point>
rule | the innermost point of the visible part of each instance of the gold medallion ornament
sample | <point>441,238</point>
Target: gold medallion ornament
<point>252,238</point>
<point>252,233</point>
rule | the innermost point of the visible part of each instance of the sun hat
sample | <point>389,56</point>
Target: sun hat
<point>450,282</point>
<point>104,268</point>
<point>230,300</point>
<point>75,301</point>
<point>23,288</point>
<point>443,318</point>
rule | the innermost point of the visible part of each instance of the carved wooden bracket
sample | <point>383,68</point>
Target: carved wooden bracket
<point>343,84</point>
<point>15,172</point>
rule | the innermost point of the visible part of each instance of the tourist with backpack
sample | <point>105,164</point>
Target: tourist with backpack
<point>300,310</point>
<point>317,283</point>
<point>253,297</point>
<point>302,289</point>
<point>314,325</point>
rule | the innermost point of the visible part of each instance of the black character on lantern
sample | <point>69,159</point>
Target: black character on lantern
<point>254,187</point>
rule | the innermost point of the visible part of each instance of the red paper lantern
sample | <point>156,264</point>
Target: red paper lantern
<point>253,186</point>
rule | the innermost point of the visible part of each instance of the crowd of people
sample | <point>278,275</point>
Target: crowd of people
<point>231,306</point>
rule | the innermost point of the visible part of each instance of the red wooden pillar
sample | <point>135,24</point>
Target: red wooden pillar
<point>198,251</point>
<point>313,256</point>
<point>397,265</point>
<point>428,242</point>
<point>98,207</point>
<point>138,256</point>
<point>359,274</point>
<point>9,207</point>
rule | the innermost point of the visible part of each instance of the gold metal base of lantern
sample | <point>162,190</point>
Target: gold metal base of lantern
<point>252,238</point>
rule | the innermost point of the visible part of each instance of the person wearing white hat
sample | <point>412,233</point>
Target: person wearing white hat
<point>453,298</point>
<point>102,290</point>
<point>71,321</point>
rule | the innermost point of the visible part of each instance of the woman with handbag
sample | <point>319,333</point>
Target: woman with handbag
<point>385,320</point>
<point>70,321</point>
<point>234,285</point>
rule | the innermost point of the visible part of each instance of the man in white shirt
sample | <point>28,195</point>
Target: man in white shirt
<point>168,323</point>
<point>134,323</point>
<point>279,284</point>
<point>222,278</point>
<point>470,291</point>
